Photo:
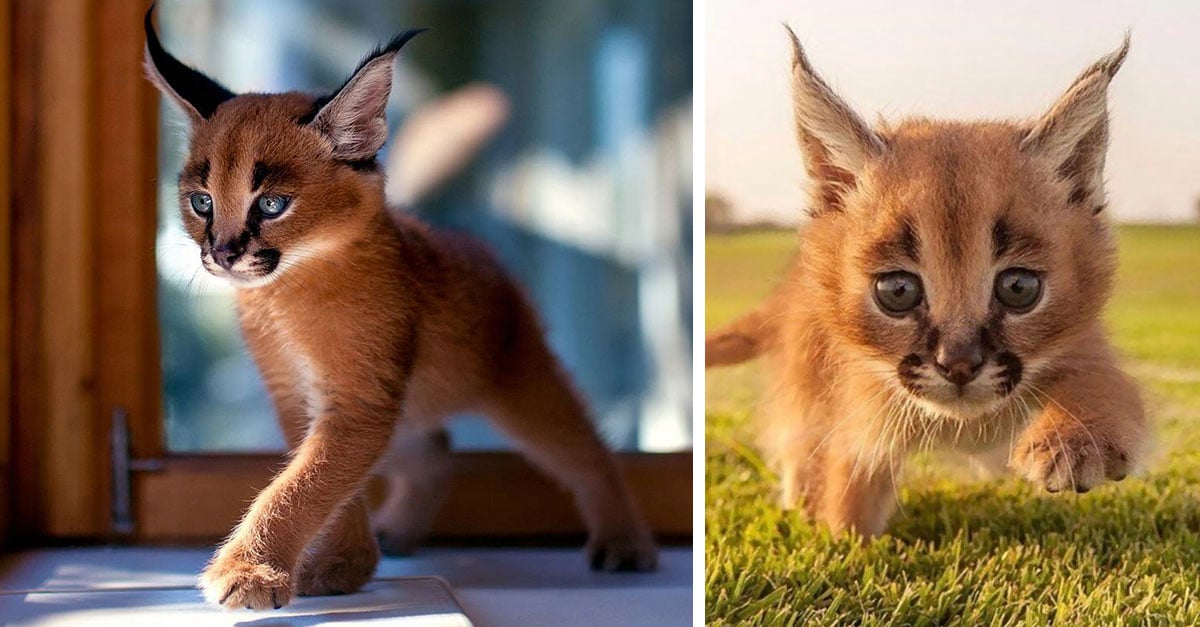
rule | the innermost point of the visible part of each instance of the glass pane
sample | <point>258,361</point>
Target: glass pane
<point>585,194</point>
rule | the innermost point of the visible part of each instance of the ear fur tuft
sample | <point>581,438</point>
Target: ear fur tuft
<point>1073,134</point>
<point>197,94</point>
<point>836,142</point>
<point>352,118</point>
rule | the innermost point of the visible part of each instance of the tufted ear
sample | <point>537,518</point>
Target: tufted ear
<point>352,118</point>
<point>836,142</point>
<point>1073,134</point>
<point>196,94</point>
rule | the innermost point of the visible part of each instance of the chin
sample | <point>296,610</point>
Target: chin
<point>246,282</point>
<point>241,280</point>
<point>967,407</point>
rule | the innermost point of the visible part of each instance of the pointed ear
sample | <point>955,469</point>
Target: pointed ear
<point>1073,134</point>
<point>196,94</point>
<point>836,142</point>
<point>352,119</point>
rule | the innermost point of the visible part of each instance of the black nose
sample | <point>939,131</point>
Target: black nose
<point>227,254</point>
<point>959,363</point>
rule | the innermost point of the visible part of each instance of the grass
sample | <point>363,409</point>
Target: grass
<point>966,551</point>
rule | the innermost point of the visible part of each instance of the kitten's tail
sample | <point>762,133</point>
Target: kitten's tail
<point>743,339</point>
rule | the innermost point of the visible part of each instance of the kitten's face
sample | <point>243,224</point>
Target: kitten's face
<point>275,180</point>
<point>965,267</point>
<point>261,193</point>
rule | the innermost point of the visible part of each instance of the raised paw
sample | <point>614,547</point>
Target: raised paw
<point>338,573</point>
<point>234,583</point>
<point>629,554</point>
<point>1069,459</point>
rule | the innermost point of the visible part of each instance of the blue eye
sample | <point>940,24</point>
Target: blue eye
<point>271,205</point>
<point>202,204</point>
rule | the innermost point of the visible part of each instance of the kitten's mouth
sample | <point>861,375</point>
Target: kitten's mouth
<point>257,269</point>
<point>986,393</point>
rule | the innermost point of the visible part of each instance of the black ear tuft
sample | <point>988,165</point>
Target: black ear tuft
<point>187,86</point>
<point>353,118</point>
<point>394,45</point>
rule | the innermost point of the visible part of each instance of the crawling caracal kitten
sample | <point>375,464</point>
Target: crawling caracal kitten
<point>363,323</point>
<point>947,292</point>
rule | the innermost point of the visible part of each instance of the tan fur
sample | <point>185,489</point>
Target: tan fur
<point>854,389</point>
<point>369,322</point>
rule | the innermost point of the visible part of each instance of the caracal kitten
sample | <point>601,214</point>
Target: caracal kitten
<point>947,293</point>
<point>365,325</point>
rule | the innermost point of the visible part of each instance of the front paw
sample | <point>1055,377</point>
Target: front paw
<point>1061,457</point>
<point>635,553</point>
<point>234,581</point>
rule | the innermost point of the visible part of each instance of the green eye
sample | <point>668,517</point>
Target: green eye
<point>898,292</point>
<point>1018,289</point>
<point>202,204</point>
<point>272,205</point>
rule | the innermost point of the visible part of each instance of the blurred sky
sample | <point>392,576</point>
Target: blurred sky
<point>954,59</point>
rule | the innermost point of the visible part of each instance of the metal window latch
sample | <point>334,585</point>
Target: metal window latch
<point>123,467</point>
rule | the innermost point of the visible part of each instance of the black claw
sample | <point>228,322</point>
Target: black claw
<point>228,594</point>
<point>598,560</point>
<point>1082,489</point>
<point>275,600</point>
<point>1120,477</point>
<point>1052,489</point>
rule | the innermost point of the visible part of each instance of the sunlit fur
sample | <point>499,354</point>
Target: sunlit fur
<point>370,327</point>
<point>854,390</point>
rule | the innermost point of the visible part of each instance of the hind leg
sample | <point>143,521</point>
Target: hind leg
<point>416,471</point>
<point>535,405</point>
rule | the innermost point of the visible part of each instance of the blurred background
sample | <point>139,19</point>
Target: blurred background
<point>585,194</point>
<point>962,60</point>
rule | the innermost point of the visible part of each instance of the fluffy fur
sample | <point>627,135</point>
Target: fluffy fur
<point>856,387</point>
<point>368,328</point>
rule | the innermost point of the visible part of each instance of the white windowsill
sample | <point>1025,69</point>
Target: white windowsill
<point>526,587</point>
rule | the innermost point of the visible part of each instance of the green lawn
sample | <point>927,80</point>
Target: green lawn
<point>964,551</point>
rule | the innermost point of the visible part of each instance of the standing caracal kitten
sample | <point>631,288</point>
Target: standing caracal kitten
<point>364,325</point>
<point>947,292</point>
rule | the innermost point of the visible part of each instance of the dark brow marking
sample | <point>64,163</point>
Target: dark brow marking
<point>258,175</point>
<point>1017,242</point>
<point>361,165</point>
<point>195,173</point>
<point>903,245</point>
<point>269,173</point>
<point>908,241</point>
<point>1001,238</point>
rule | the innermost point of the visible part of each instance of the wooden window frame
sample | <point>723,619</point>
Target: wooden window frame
<point>6,346</point>
<point>83,323</point>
